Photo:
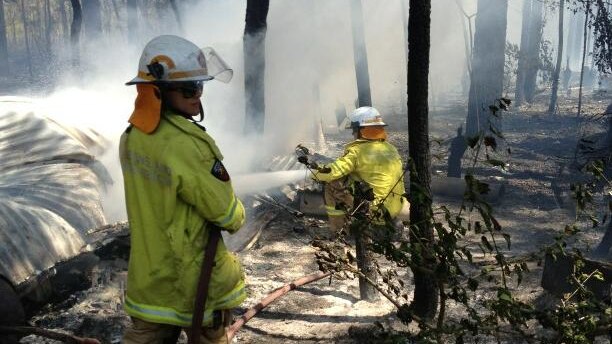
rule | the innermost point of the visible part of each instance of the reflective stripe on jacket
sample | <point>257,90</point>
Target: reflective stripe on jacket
<point>175,187</point>
<point>375,162</point>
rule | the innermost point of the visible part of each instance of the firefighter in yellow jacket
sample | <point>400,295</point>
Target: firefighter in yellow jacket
<point>371,161</point>
<point>176,190</point>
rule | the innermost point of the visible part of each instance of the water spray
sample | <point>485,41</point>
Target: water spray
<point>246,184</point>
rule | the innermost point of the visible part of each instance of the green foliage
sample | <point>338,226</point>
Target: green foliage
<point>547,66</point>
<point>510,64</point>
<point>464,281</point>
<point>600,21</point>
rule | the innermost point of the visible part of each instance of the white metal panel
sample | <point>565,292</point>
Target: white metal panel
<point>49,192</point>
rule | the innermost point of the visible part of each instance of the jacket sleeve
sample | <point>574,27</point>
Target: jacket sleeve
<point>204,183</point>
<point>341,167</point>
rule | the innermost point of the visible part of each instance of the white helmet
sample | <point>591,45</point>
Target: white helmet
<point>365,116</point>
<point>170,58</point>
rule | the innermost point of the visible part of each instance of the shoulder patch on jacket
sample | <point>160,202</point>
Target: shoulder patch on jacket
<point>219,171</point>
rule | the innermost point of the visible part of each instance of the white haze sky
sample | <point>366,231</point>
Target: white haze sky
<point>308,56</point>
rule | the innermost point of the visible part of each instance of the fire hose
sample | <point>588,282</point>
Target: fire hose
<point>244,318</point>
<point>273,296</point>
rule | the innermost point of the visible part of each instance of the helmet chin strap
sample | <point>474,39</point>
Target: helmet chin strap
<point>201,113</point>
<point>166,105</point>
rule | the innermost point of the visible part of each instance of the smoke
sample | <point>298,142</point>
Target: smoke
<point>309,73</point>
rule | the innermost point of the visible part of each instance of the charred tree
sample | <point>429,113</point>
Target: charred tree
<point>555,79</point>
<point>4,62</point>
<point>487,79</point>
<point>177,14</point>
<point>529,55</point>
<point>425,301</point>
<point>26,38</point>
<point>602,41</point>
<point>522,60</point>
<point>115,7</point>
<point>132,21</point>
<point>75,31</point>
<point>48,27</point>
<point>92,19</point>
<point>360,54</point>
<point>365,261</point>
<point>533,53</point>
<point>254,48</point>
<point>64,19</point>
<point>584,51</point>
<point>604,246</point>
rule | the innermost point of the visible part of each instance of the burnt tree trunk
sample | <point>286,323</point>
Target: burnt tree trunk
<point>4,63</point>
<point>177,15</point>
<point>529,55</point>
<point>64,19</point>
<point>26,30</point>
<point>486,82</point>
<point>519,92</point>
<point>48,27</point>
<point>425,301</point>
<point>75,31</point>
<point>132,21</point>
<point>92,19</point>
<point>575,50</point>
<point>584,51</point>
<point>604,246</point>
<point>365,261</point>
<point>254,48</point>
<point>533,51</point>
<point>555,84</point>
<point>360,55</point>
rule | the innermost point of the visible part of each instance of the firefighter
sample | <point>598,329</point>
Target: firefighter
<point>178,193</point>
<point>369,163</point>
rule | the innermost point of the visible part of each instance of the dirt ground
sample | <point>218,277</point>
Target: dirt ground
<point>329,311</point>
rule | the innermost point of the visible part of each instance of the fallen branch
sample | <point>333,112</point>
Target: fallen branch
<point>273,296</point>
<point>62,337</point>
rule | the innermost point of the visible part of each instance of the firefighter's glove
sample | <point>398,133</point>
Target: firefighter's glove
<point>303,160</point>
<point>323,169</point>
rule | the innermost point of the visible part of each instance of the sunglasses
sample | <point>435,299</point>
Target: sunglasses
<point>188,89</point>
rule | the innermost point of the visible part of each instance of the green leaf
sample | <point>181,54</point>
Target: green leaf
<point>477,227</point>
<point>472,140</point>
<point>486,243</point>
<point>496,224</point>
<point>472,284</point>
<point>489,141</point>
<point>504,295</point>
<point>519,274</point>
<point>483,188</point>
<point>507,238</point>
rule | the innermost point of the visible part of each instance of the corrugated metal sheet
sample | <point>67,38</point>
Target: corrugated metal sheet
<point>49,192</point>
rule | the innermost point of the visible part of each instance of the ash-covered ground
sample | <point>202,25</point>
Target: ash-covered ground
<point>329,311</point>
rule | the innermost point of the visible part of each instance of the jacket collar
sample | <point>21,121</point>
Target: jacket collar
<point>192,129</point>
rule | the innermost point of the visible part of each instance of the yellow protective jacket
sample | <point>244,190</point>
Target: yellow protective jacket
<point>375,162</point>
<point>175,187</point>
